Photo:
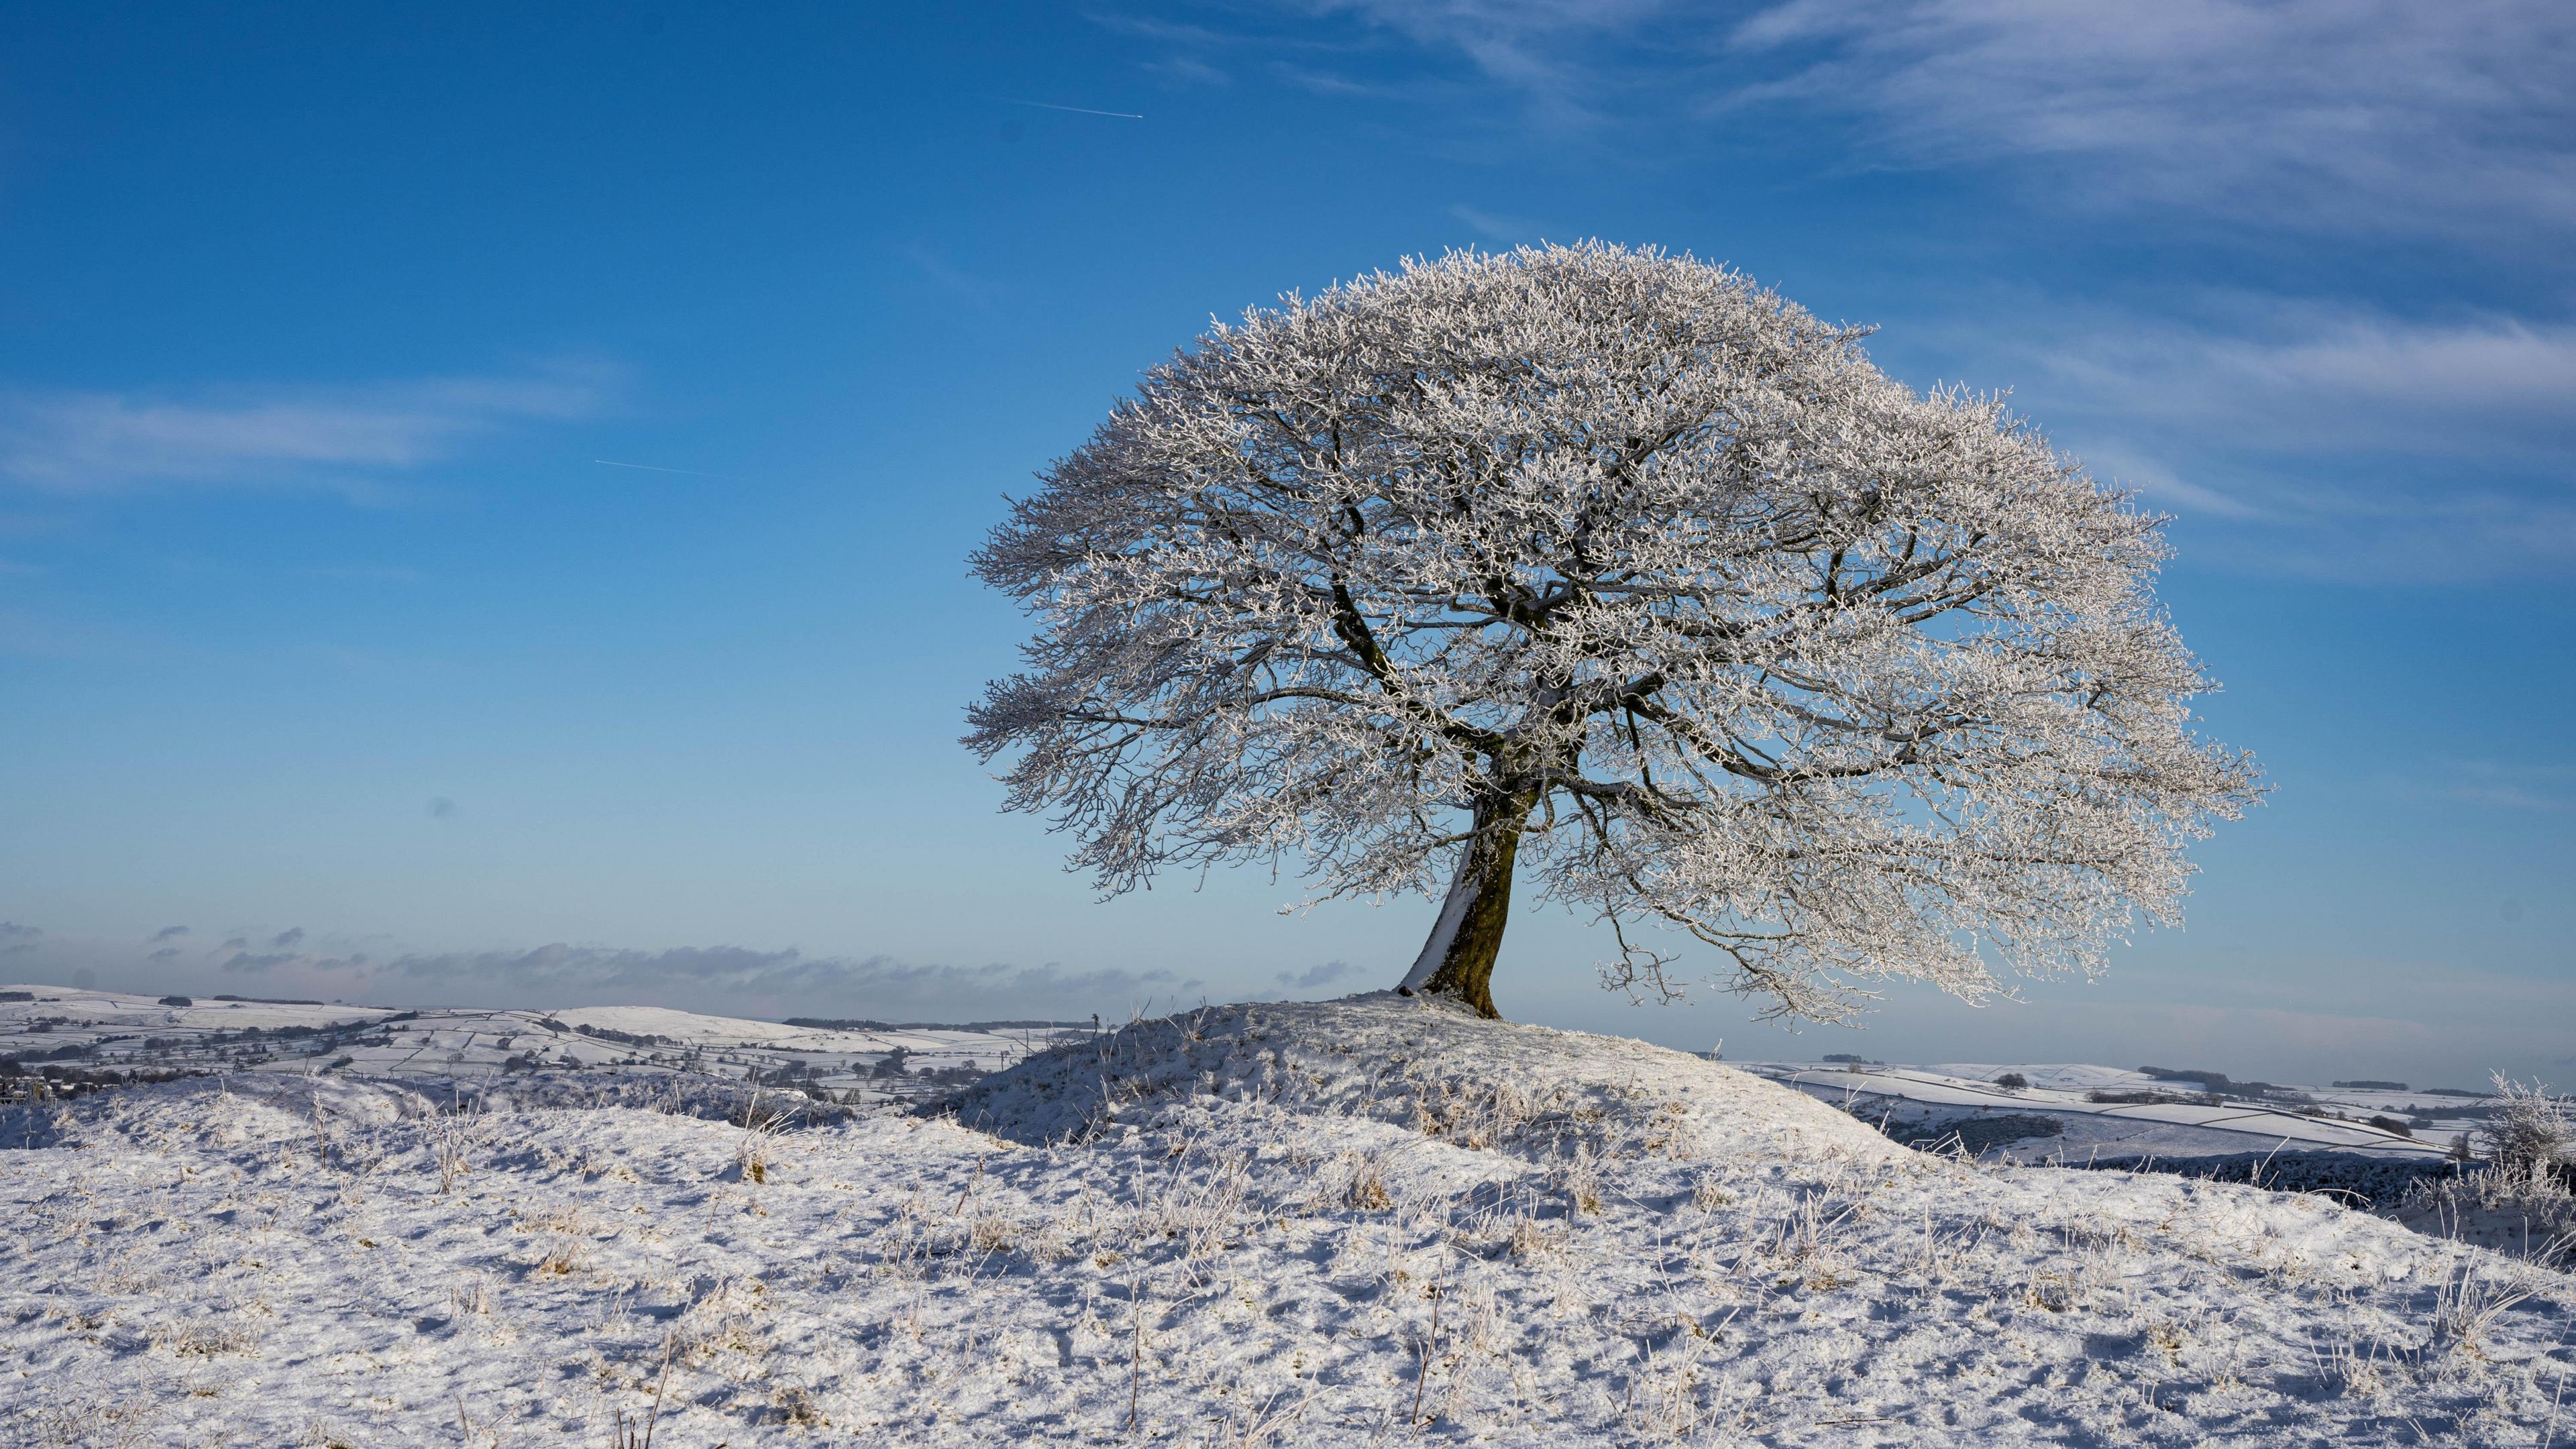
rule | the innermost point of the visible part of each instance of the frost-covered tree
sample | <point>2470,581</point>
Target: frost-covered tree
<point>2527,1129</point>
<point>1611,567</point>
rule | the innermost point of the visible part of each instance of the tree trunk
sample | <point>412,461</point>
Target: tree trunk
<point>1458,960</point>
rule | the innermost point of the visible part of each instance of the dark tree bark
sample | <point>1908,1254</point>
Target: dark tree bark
<point>1458,959</point>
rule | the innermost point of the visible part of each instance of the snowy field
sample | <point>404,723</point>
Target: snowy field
<point>1369,1222</point>
<point>106,1031</point>
<point>2074,1115</point>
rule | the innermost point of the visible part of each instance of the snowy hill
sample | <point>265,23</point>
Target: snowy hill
<point>1365,1222</point>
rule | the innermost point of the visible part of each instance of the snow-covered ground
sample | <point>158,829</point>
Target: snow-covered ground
<point>2067,1122</point>
<point>107,1031</point>
<point>1372,1221</point>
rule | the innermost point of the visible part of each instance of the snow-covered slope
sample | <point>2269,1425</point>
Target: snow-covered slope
<point>1370,1222</point>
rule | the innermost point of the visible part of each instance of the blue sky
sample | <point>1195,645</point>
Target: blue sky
<point>327,635</point>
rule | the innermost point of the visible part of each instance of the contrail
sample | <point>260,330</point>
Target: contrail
<point>649,468</point>
<point>1077,110</point>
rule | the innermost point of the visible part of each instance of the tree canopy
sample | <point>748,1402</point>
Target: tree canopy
<point>1609,568</point>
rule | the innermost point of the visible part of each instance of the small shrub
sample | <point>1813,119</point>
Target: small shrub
<point>178,1001</point>
<point>2390,1124</point>
<point>2013,1082</point>
<point>2527,1126</point>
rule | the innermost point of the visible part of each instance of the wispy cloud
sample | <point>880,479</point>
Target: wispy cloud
<point>1324,82</point>
<point>2389,115</point>
<point>1495,228</point>
<point>969,289</point>
<point>2382,113</point>
<point>1145,27</point>
<point>1189,70</point>
<point>1540,47</point>
<point>344,439</point>
<point>2494,785</point>
<point>784,972</point>
<point>244,961</point>
<point>2313,439</point>
<point>706,977</point>
<point>2306,377</point>
<point>2162,487</point>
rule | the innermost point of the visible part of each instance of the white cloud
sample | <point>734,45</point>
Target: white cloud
<point>2159,485</point>
<point>1535,45</point>
<point>2448,118</point>
<point>2315,440</point>
<point>2382,112</point>
<point>2489,784</point>
<point>340,438</point>
<point>2303,377</point>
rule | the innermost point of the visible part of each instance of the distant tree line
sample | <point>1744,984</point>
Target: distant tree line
<point>628,1038</point>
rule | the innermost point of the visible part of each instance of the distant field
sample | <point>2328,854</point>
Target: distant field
<point>89,1035</point>
<point>2078,1113</point>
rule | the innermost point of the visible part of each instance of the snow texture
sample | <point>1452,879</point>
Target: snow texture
<point>1372,1221</point>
